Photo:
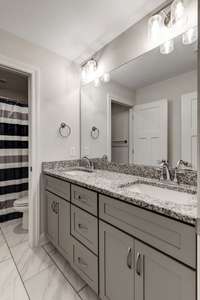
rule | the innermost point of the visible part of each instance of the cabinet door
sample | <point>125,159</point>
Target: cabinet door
<point>160,277</point>
<point>64,229</point>
<point>116,264</point>
<point>52,217</point>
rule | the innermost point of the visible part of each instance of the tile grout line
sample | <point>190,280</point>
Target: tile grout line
<point>82,289</point>
<point>77,292</point>
<point>15,264</point>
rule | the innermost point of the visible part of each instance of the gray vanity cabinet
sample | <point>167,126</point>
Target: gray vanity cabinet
<point>132,270</point>
<point>52,217</point>
<point>159,277</point>
<point>121,251</point>
<point>65,243</point>
<point>58,223</point>
<point>116,264</point>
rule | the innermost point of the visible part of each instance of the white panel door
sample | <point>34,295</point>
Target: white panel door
<point>150,132</point>
<point>189,128</point>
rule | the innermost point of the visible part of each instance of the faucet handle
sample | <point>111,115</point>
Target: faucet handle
<point>182,164</point>
<point>162,162</point>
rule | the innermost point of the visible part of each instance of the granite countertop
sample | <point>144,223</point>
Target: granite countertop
<point>114,184</point>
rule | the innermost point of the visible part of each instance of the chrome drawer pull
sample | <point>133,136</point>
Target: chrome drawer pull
<point>53,205</point>
<point>138,264</point>
<point>129,258</point>
<point>56,208</point>
<point>82,263</point>
<point>82,226</point>
<point>84,201</point>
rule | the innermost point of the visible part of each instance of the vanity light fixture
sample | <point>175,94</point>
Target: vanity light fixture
<point>167,47</point>
<point>155,26</point>
<point>190,36</point>
<point>89,70</point>
<point>164,20</point>
<point>97,82</point>
<point>106,77</point>
<point>177,11</point>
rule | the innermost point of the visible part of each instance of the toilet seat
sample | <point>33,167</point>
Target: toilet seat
<point>21,205</point>
<point>21,202</point>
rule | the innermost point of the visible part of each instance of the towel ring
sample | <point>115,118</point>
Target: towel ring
<point>94,133</point>
<point>64,130</point>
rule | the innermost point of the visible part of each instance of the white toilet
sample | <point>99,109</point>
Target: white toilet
<point>21,205</point>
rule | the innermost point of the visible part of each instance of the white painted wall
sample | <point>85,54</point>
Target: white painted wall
<point>94,113</point>
<point>59,95</point>
<point>171,89</point>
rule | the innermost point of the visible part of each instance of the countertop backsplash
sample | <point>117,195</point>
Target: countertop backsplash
<point>183,176</point>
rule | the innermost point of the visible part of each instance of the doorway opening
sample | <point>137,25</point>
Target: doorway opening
<point>120,131</point>
<point>14,151</point>
<point>19,157</point>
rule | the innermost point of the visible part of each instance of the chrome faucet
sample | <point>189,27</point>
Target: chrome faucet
<point>185,164</point>
<point>165,167</point>
<point>90,164</point>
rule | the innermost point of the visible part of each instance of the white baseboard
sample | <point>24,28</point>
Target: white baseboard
<point>43,239</point>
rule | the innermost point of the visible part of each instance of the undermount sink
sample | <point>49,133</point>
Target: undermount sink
<point>78,170</point>
<point>161,193</point>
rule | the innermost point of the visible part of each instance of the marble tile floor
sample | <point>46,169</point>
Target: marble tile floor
<point>36,274</point>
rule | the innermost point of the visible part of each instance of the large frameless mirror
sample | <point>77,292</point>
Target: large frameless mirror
<point>146,112</point>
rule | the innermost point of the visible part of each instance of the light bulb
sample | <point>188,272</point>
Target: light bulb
<point>155,25</point>
<point>106,77</point>
<point>177,10</point>
<point>190,36</point>
<point>91,66</point>
<point>89,71</point>
<point>97,82</point>
<point>167,47</point>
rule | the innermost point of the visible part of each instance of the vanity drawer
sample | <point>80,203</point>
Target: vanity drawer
<point>84,228</point>
<point>85,199</point>
<point>167,235</point>
<point>58,187</point>
<point>86,264</point>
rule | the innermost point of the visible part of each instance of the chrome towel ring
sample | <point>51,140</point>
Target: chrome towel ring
<point>94,133</point>
<point>64,130</point>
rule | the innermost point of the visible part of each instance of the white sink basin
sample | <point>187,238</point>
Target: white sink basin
<point>75,172</point>
<point>163,194</point>
<point>78,171</point>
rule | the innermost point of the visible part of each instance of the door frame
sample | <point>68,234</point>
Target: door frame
<point>111,98</point>
<point>185,98</point>
<point>34,159</point>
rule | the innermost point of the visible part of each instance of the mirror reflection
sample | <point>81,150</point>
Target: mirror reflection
<point>146,112</point>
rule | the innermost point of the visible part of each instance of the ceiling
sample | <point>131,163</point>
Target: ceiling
<point>74,29</point>
<point>153,66</point>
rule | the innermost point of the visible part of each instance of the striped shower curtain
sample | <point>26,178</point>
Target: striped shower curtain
<point>13,153</point>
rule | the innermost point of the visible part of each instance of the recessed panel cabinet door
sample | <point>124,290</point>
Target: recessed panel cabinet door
<point>159,277</point>
<point>64,229</point>
<point>150,132</point>
<point>52,217</point>
<point>116,264</point>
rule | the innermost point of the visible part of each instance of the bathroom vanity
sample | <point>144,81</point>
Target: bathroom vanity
<point>125,243</point>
